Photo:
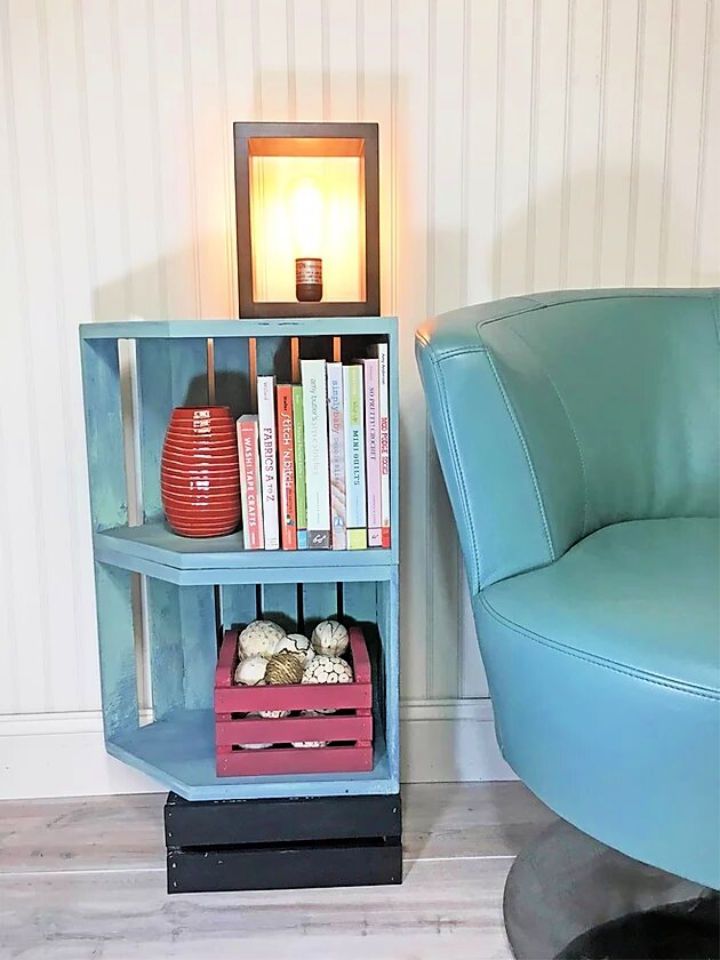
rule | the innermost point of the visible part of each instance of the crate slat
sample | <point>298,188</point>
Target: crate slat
<point>306,696</point>
<point>360,658</point>
<point>242,763</point>
<point>226,662</point>
<point>293,729</point>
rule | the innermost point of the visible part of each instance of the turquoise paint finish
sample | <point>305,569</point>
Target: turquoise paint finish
<point>165,645</point>
<point>213,329</point>
<point>180,753</point>
<point>231,365</point>
<point>155,541</point>
<point>250,574</point>
<point>272,357</point>
<point>170,374</point>
<point>183,646</point>
<point>183,574</point>
<point>116,634</point>
<point>104,434</point>
<point>359,601</point>
<point>200,645</point>
<point>319,602</point>
<point>377,603</point>
<point>389,624</point>
<point>238,604</point>
<point>279,602</point>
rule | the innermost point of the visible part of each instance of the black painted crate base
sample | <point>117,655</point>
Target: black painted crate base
<point>223,845</point>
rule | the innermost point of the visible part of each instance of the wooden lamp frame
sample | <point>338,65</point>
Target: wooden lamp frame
<point>251,309</point>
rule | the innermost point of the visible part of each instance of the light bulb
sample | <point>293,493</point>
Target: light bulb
<point>307,215</point>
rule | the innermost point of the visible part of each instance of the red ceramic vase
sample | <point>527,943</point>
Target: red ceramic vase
<point>199,473</point>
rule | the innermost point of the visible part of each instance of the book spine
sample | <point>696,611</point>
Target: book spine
<point>299,435</point>
<point>317,480</point>
<point>372,453</point>
<point>336,442</point>
<point>247,431</point>
<point>268,460</point>
<point>353,414</point>
<point>384,396</point>
<point>286,458</point>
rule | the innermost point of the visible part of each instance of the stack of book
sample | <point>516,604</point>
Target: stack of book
<point>315,460</point>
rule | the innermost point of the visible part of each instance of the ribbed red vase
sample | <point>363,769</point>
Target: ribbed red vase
<point>199,472</point>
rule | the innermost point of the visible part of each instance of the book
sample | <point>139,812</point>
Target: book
<point>250,493</point>
<point>317,479</point>
<point>336,450</point>
<point>353,415</point>
<point>299,437</point>
<point>268,460</point>
<point>380,352</point>
<point>286,467</point>
<point>372,452</point>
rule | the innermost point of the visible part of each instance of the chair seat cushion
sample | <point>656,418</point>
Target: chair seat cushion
<point>646,595</point>
<point>605,667</point>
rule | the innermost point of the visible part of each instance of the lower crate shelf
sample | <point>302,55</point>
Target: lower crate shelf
<point>179,752</point>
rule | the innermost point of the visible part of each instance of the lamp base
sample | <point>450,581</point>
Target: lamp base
<point>569,897</point>
<point>308,279</point>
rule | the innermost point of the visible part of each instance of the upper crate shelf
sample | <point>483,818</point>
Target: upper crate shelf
<point>156,551</point>
<point>193,363</point>
<point>212,329</point>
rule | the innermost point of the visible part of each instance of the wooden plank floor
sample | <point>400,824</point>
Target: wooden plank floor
<point>85,880</point>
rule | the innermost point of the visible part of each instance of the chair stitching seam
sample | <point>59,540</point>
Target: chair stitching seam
<point>561,648</point>
<point>436,356</point>
<point>528,460</point>
<point>570,424</point>
<point>465,500</point>
<point>715,307</point>
<point>620,295</point>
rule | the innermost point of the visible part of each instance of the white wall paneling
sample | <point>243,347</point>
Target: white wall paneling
<point>525,145</point>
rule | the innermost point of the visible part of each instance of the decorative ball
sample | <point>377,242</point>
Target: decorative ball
<point>324,669</point>
<point>307,744</point>
<point>298,645</point>
<point>330,638</point>
<point>259,639</point>
<point>255,746</point>
<point>274,714</point>
<point>284,667</point>
<point>251,671</point>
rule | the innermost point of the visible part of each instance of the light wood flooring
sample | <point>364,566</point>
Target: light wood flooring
<point>85,880</point>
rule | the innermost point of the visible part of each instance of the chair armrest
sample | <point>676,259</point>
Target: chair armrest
<point>502,483</point>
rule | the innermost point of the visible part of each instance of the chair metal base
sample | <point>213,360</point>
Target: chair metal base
<point>569,897</point>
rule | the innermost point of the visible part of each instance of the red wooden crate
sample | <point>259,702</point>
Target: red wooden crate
<point>353,729</point>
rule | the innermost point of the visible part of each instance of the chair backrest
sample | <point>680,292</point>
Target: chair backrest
<point>558,414</point>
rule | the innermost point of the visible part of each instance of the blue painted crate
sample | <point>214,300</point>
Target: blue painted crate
<point>194,587</point>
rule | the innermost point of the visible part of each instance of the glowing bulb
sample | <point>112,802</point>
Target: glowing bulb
<point>307,215</point>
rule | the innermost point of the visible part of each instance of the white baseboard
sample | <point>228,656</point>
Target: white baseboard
<point>63,754</point>
<point>450,741</point>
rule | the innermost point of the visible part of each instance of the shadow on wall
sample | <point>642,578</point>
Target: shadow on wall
<point>166,288</point>
<point>613,234</point>
<point>170,287</point>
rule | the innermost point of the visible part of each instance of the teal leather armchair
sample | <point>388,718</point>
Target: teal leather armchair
<point>579,437</point>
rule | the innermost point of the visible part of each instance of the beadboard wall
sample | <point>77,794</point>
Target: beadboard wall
<point>524,146</point>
